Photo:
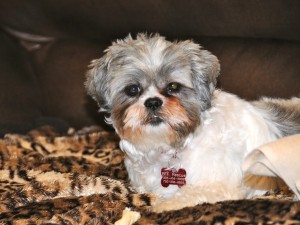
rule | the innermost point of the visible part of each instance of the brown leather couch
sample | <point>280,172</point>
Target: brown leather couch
<point>46,46</point>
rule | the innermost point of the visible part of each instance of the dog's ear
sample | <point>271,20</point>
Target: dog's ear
<point>97,83</point>
<point>205,70</point>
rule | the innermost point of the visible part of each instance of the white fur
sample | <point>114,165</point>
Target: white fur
<point>211,156</point>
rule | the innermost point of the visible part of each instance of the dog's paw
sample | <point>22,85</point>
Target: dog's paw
<point>128,217</point>
<point>161,205</point>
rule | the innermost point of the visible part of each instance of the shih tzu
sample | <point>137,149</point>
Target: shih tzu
<point>185,140</point>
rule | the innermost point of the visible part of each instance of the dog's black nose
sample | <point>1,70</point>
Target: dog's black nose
<point>153,103</point>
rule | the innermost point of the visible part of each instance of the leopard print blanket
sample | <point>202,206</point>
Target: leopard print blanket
<point>79,178</point>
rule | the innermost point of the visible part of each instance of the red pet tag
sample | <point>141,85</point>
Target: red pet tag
<point>173,177</point>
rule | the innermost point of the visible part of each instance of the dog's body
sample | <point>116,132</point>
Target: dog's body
<point>163,104</point>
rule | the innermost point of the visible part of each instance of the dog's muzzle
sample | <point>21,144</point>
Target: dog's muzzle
<point>153,103</point>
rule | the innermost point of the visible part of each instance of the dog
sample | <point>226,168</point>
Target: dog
<point>184,139</point>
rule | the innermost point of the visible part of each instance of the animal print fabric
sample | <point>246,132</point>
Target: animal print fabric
<point>79,178</point>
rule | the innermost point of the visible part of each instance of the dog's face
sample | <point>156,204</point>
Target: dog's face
<point>153,89</point>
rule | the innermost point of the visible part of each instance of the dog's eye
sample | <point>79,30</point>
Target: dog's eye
<point>132,90</point>
<point>173,88</point>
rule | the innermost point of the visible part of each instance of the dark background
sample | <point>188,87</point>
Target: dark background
<point>41,82</point>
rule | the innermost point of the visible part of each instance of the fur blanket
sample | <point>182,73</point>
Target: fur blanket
<point>79,178</point>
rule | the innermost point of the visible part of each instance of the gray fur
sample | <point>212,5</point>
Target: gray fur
<point>127,61</point>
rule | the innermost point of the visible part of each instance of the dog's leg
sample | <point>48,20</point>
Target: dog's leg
<point>192,195</point>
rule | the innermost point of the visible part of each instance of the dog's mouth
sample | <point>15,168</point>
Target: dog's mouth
<point>153,120</point>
